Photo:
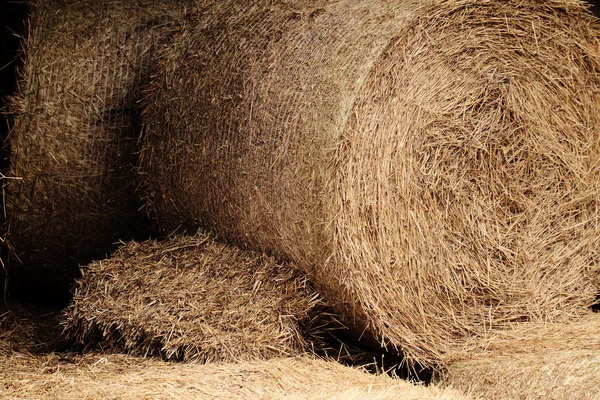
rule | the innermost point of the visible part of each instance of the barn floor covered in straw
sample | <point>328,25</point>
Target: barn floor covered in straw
<point>98,376</point>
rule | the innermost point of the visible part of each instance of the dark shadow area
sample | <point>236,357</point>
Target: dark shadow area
<point>596,307</point>
<point>595,7</point>
<point>337,342</point>
<point>12,23</point>
<point>12,27</point>
<point>39,289</point>
<point>52,287</point>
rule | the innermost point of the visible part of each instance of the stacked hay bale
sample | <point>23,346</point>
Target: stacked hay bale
<point>533,361</point>
<point>434,170</point>
<point>103,376</point>
<point>193,299</point>
<point>75,131</point>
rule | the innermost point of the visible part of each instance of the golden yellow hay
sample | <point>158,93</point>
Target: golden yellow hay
<point>544,376</point>
<point>536,338</point>
<point>193,299</point>
<point>434,170</point>
<point>533,361</point>
<point>98,376</point>
<point>75,131</point>
<point>30,370</point>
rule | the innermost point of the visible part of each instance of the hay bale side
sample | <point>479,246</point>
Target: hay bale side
<point>532,361</point>
<point>94,376</point>
<point>192,299</point>
<point>552,376</point>
<point>535,338</point>
<point>434,169</point>
<point>75,131</point>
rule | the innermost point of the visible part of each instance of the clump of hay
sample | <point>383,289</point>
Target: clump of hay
<point>76,128</point>
<point>434,171</point>
<point>94,376</point>
<point>192,299</point>
<point>533,361</point>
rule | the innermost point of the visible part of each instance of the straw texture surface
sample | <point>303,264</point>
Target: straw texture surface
<point>193,299</point>
<point>121,377</point>
<point>75,132</point>
<point>434,170</point>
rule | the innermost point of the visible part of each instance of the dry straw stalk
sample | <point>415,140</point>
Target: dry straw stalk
<point>76,128</point>
<point>193,299</point>
<point>435,170</point>
<point>533,361</point>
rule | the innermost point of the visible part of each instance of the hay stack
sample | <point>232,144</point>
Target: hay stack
<point>434,171</point>
<point>533,362</point>
<point>192,299</point>
<point>66,376</point>
<point>76,127</point>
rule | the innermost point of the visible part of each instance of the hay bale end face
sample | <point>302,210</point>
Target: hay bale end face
<point>433,169</point>
<point>193,299</point>
<point>75,132</point>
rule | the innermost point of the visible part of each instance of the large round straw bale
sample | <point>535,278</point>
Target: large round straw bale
<point>533,361</point>
<point>105,376</point>
<point>191,298</point>
<point>435,170</point>
<point>75,131</point>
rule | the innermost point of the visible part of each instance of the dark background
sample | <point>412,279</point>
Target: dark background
<point>13,14</point>
<point>12,23</point>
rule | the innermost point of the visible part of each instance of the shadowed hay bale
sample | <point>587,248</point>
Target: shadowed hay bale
<point>76,127</point>
<point>534,362</point>
<point>191,298</point>
<point>435,172</point>
<point>121,377</point>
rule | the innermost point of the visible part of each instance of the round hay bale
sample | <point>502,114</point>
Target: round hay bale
<point>75,131</point>
<point>435,170</point>
<point>193,299</point>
